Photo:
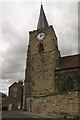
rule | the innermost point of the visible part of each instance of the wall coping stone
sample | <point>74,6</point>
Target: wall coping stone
<point>59,93</point>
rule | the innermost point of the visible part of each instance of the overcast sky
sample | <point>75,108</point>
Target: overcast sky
<point>17,19</point>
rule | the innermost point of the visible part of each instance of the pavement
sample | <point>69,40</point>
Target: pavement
<point>53,117</point>
<point>38,115</point>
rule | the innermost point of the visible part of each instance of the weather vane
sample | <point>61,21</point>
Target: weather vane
<point>41,2</point>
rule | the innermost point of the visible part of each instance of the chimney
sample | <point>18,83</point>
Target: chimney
<point>20,83</point>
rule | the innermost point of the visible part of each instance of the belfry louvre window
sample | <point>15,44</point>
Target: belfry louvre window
<point>41,48</point>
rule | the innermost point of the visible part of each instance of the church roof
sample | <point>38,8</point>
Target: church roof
<point>42,22</point>
<point>69,61</point>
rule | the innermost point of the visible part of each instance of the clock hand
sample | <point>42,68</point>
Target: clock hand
<point>41,35</point>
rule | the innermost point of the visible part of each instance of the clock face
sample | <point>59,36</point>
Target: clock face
<point>40,36</point>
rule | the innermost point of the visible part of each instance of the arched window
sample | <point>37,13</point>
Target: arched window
<point>41,47</point>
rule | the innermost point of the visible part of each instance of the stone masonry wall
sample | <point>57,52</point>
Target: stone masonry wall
<point>67,103</point>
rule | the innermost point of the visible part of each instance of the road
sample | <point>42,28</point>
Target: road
<point>26,116</point>
<point>0,114</point>
<point>15,114</point>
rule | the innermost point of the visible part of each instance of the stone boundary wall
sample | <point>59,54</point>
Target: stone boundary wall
<point>63,104</point>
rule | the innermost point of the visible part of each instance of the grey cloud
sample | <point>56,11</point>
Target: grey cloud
<point>79,27</point>
<point>65,22</point>
<point>15,56</point>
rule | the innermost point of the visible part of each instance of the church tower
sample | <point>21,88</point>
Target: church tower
<point>42,60</point>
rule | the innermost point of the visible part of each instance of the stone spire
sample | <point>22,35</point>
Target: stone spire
<point>42,22</point>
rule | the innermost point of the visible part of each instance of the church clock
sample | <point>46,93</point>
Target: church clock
<point>41,36</point>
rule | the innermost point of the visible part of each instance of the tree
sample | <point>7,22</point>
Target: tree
<point>3,95</point>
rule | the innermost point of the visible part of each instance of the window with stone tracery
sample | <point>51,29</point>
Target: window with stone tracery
<point>64,82</point>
